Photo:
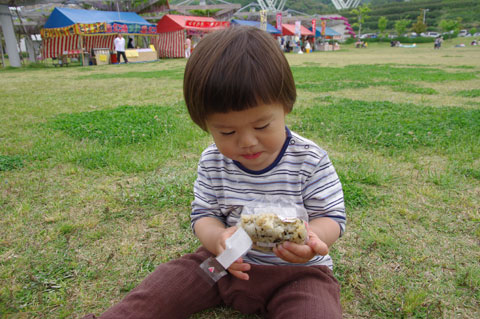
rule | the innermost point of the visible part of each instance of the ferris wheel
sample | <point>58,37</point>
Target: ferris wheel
<point>278,5</point>
<point>271,5</point>
<point>345,4</point>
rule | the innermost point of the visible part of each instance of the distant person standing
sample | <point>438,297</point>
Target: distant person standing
<point>120,47</point>
<point>438,42</point>
<point>130,43</point>
<point>188,46</point>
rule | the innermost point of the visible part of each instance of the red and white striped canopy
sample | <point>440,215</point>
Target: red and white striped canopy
<point>56,46</point>
<point>171,44</point>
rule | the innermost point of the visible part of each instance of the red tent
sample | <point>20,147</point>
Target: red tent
<point>289,29</point>
<point>171,22</point>
<point>172,30</point>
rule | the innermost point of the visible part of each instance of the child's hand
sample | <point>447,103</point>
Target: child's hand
<point>238,268</point>
<point>300,254</point>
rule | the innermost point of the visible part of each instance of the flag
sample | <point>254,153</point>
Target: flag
<point>279,21</point>
<point>297,28</point>
<point>314,27</point>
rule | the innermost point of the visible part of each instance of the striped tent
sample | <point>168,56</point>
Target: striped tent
<point>289,29</point>
<point>76,31</point>
<point>53,47</point>
<point>171,44</point>
<point>172,30</point>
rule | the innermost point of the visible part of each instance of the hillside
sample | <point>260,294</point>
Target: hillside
<point>467,10</point>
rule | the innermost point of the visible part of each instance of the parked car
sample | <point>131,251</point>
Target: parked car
<point>431,34</point>
<point>477,34</point>
<point>368,36</point>
<point>464,33</point>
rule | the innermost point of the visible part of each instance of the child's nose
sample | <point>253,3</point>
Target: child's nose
<point>247,140</point>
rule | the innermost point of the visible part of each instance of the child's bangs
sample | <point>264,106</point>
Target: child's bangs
<point>242,86</point>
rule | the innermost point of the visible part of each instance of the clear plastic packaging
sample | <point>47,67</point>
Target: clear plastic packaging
<point>269,223</point>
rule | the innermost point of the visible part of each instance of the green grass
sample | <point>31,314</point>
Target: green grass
<point>399,78</point>
<point>10,162</point>
<point>174,74</point>
<point>389,126</point>
<point>126,138</point>
<point>97,166</point>
<point>469,93</point>
<point>125,125</point>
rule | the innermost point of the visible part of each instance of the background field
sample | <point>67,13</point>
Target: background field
<point>97,166</point>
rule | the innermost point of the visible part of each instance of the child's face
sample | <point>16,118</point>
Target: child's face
<point>253,137</point>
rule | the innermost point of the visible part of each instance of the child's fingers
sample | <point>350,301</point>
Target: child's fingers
<point>238,269</point>
<point>294,253</point>
<point>240,266</point>
<point>318,246</point>
<point>239,274</point>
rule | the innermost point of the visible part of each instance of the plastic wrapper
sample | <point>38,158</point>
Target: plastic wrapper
<point>213,269</point>
<point>272,223</point>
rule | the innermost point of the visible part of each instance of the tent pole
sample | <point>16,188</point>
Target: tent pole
<point>81,49</point>
<point>1,52</point>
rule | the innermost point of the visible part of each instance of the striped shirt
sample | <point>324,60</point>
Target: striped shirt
<point>302,174</point>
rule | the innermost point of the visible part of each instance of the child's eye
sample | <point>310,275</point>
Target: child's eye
<point>227,133</point>
<point>262,127</point>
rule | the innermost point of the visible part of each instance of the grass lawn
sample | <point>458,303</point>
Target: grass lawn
<point>97,166</point>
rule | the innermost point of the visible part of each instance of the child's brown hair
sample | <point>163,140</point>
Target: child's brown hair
<point>235,69</point>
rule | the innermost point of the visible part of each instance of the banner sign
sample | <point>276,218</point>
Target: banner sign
<point>324,24</point>
<point>59,32</point>
<point>314,27</point>
<point>131,28</point>
<point>90,28</point>
<point>263,20</point>
<point>96,28</point>
<point>206,24</point>
<point>297,28</point>
<point>279,21</point>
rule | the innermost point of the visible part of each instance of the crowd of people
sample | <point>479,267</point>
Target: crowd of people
<point>305,44</point>
<point>361,44</point>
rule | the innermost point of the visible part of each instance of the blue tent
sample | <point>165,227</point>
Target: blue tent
<point>329,32</point>
<point>270,28</point>
<point>64,17</point>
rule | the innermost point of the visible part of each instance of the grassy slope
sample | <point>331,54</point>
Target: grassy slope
<point>97,165</point>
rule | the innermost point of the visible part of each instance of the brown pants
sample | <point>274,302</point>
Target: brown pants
<point>176,290</point>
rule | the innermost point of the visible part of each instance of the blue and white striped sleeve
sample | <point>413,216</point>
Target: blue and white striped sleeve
<point>205,202</point>
<point>323,194</point>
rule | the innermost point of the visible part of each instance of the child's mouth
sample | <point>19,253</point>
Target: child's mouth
<point>251,156</point>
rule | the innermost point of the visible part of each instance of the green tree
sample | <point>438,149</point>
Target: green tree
<point>419,26</point>
<point>382,24</point>
<point>473,31</point>
<point>362,14</point>
<point>449,25</point>
<point>401,26</point>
